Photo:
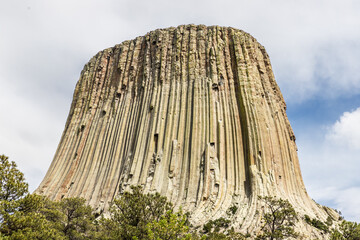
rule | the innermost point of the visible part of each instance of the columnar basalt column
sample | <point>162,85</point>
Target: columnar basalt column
<point>192,112</point>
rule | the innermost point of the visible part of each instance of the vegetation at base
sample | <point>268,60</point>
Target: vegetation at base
<point>170,226</point>
<point>346,231</point>
<point>317,223</point>
<point>133,215</point>
<point>216,225</point>
<point>219,229</point>
<point>12,181</point>
<point>31,216</point>
<point>36,217</point>
<point>279,219</point>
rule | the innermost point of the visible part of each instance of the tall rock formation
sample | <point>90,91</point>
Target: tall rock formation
<point>192,112</point>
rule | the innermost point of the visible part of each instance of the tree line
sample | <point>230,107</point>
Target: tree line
<point>134,215</point>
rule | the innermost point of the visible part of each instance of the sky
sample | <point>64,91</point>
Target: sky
<point>314,47</point>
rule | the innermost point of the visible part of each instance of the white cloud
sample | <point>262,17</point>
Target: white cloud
<point>348,201</point>
<point>346,131</point>
<point>345,200</point>
<point>29,133</point>
<point>330,165</point>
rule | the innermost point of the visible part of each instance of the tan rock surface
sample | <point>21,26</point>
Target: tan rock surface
<point>192,112</point>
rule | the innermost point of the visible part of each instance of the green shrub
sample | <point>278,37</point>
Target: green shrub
<point>316,223</point>
<point>279,218</point>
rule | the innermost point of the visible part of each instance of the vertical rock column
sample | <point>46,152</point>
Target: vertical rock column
<point>192,112</point>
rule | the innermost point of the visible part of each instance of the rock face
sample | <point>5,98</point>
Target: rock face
<point>192,112</point>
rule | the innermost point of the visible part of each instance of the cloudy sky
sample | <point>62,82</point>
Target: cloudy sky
<point>314,47</point>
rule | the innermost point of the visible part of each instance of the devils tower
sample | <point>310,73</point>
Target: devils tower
<point>192,112</point>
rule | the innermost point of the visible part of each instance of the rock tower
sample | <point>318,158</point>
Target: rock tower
<point>192,112</point>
